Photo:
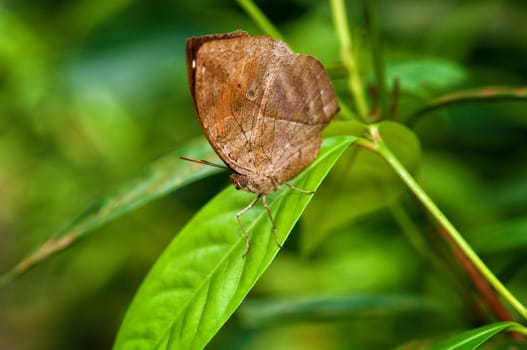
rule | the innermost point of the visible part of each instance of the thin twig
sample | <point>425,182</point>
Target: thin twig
<point>355,84</point>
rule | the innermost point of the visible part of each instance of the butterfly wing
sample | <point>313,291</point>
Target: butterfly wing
<point>301,102</point>
<point>261,106</point>
<point>224,81</point>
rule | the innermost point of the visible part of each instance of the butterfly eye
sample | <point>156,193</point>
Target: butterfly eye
<point>239,181</point>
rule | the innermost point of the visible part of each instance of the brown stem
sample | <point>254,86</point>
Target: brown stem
<point>487,293</point>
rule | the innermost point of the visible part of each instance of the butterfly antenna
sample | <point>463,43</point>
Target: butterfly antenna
<point>205,162</point>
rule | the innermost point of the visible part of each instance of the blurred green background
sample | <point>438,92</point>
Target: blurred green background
<point>92,91</point>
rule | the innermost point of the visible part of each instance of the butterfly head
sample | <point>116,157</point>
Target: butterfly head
<point>255,183</point>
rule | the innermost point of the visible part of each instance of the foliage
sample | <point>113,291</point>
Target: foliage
<point>423,168</point>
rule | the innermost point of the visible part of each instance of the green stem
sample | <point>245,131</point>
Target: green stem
<point>378,62</point>
<point>478,95</point>
<point>355,85</point>
<point>259,18</point>
<point>380,147</point>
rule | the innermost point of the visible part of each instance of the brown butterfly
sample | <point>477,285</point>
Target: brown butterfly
<point>261,107</point>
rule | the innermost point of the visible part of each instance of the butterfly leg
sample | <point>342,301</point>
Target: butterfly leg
<point>298,189</point>
<point>238,216</point>
<point>264,200</point>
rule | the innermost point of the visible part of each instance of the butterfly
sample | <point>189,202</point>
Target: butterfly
<point>261,107</point>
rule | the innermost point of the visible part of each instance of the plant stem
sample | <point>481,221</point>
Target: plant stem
<point>380,147</point>
<point>486,292</point>
<point>478,95</point>
<point>355,85</point>
<point>378,62</point>
<point>259,18</point>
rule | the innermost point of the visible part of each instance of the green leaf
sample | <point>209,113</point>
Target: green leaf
<point>345,127</point>
<point>364,183</point>
<point>423,77</point>
<point>201,278</point>
<point>264,312</point>
<point>475,337</point>
<point>160,177</point>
